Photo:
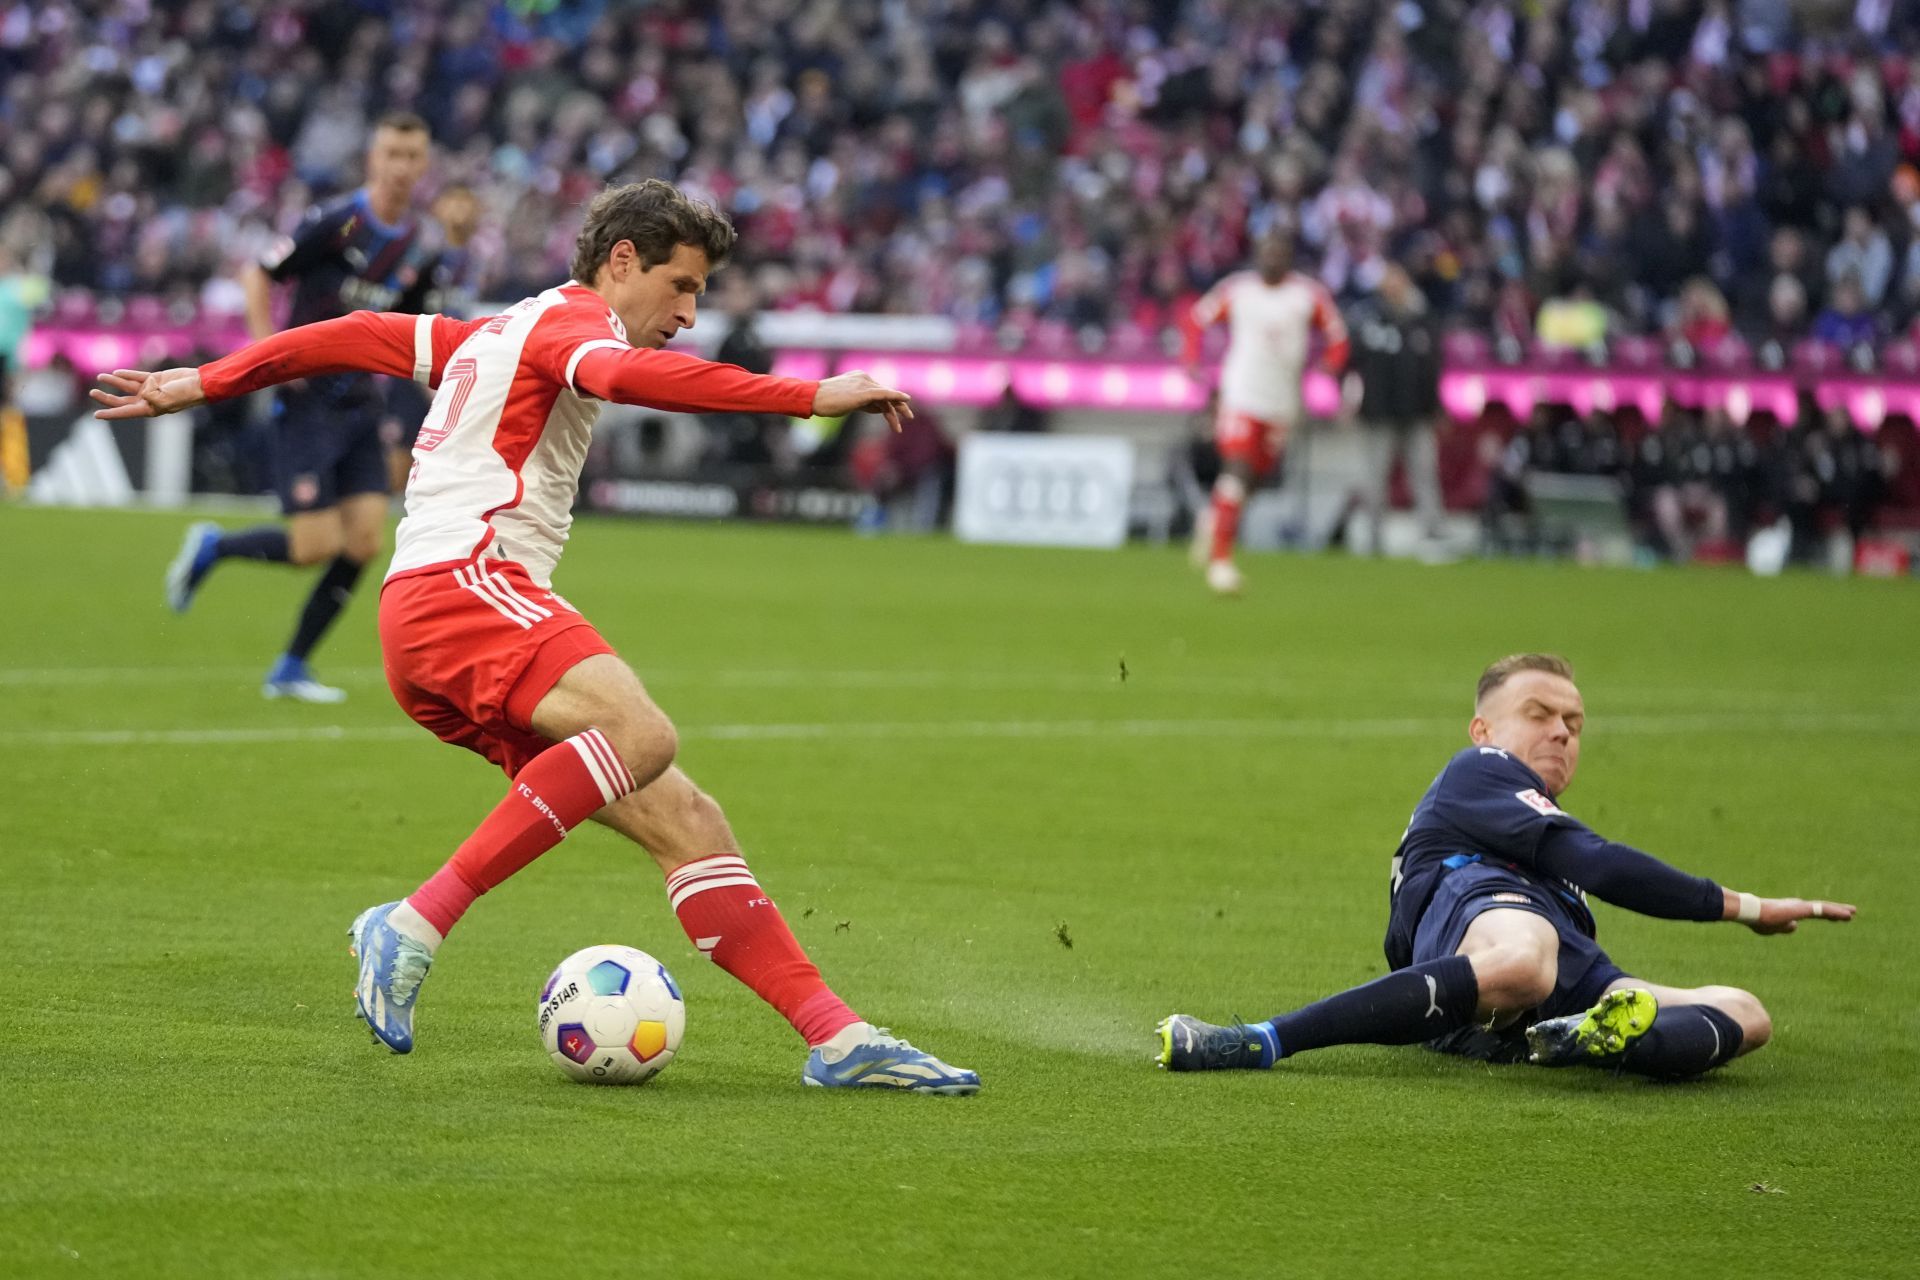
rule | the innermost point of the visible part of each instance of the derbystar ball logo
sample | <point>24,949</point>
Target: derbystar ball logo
<point>1534,800</point>
<point>554,1001</point>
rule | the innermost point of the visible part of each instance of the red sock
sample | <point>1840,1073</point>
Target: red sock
<point>728,916</point>
<point>1226,522</point>
<point>559,789</point>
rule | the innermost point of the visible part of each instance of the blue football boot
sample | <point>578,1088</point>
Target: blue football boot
<point>291,678</point>
<point>878,1060</point>
<point>1188,1044</point>
<point>392,966</point>
<point>190,564</point>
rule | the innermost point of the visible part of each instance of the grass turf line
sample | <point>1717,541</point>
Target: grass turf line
<point>183,1090</point>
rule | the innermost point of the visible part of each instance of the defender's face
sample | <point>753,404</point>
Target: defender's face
<point>396,161</point>
<point>654,303</point>
<point>1535,717</point>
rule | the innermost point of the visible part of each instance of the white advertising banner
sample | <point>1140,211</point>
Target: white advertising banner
<point>1052,491</point>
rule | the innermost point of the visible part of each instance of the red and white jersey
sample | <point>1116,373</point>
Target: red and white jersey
<point>1269,328</point>
<point>497,465</point>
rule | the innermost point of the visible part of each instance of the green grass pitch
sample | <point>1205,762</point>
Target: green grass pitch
<point>934,764</point>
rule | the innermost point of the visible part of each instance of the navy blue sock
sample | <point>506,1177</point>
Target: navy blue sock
<point>330,596</point>
<point>265,542</point>
<point>1408,1006</point>
<point>1685,1040</point>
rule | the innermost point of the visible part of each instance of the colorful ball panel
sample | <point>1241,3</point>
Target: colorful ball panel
<point>649,1040</point>
<point>572,1039</point>
<point>607,979</point>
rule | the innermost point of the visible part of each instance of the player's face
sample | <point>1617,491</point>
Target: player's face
<point>1275,258</point>
<point>396,161</point>
<point>1535,717</point>
<point>654,303</point>
<point>459,213</point>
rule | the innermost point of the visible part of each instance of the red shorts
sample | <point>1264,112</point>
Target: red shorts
<point>1241,437</point>
<point>471,649</point>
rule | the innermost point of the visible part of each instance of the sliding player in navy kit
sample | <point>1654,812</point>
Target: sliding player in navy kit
<point>1489,936</point>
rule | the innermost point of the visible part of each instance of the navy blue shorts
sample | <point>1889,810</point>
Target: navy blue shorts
<point>327,449</point>
<point>1585,970</point>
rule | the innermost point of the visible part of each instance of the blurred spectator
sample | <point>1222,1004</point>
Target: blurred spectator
<point>1575,322</point>
<point>1702,319</point>
<point>1687,502</point>
<point>1786,318</point>
<point>1012,414</point>
<point>21,293</point>
<point>1736,463</point>
<point>746,439</point>
<point>1834,478</point>
<point>1865,253</point>
<point>906,474</point>
<point>1787,260</point>
<point>1085,162</point>
<point>1847,323</point>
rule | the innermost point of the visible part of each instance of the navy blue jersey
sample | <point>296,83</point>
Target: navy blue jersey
<point>1485,807</point>
<point>342,259</point>
<point>442,285</point>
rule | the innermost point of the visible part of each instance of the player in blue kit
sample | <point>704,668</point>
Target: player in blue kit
<point>1489,938</point>
<point>360,252</point>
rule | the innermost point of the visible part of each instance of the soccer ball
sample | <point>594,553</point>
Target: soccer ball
<point>611,1015</point>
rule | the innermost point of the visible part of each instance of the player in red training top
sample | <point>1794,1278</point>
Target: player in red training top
<point>1271,313</point>
<point>482,652</point>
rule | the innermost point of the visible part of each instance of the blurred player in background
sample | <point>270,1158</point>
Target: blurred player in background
<point>22,292</point>
<point>1271,314</point>
<point>1396,362</point>
<point>483,653</point>
<point>330,466</point>
<point>442,285</point>
<point>1489,936</point>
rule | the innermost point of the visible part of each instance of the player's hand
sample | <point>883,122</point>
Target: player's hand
<point>1783,915</point>
<point>852,392</point>
<point>135,393</point>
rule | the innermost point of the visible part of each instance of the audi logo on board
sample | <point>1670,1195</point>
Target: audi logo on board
<point>1053,491</point>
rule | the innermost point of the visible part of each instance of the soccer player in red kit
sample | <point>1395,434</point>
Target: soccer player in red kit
<point>1271,314</point>
<point>480,650</point>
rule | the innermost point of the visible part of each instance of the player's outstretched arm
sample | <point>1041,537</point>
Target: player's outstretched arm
<point>1780,915</point>
<point>1626,877</point>
<point>680,383</point>
<point>404,346</point>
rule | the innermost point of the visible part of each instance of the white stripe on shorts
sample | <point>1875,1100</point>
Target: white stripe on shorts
<point>492,585</point>
<point>501,583</point>
<point>467,578</point>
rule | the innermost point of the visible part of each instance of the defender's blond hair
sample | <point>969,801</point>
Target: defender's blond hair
<point>1500,672</point>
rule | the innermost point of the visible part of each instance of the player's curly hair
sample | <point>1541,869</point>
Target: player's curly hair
<point>658,218</point>
<point>1500,672</point>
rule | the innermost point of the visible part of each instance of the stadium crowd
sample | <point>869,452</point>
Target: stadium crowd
<point>1701,485</point>
<point>1687,165</point>
<point>1724,173</point>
